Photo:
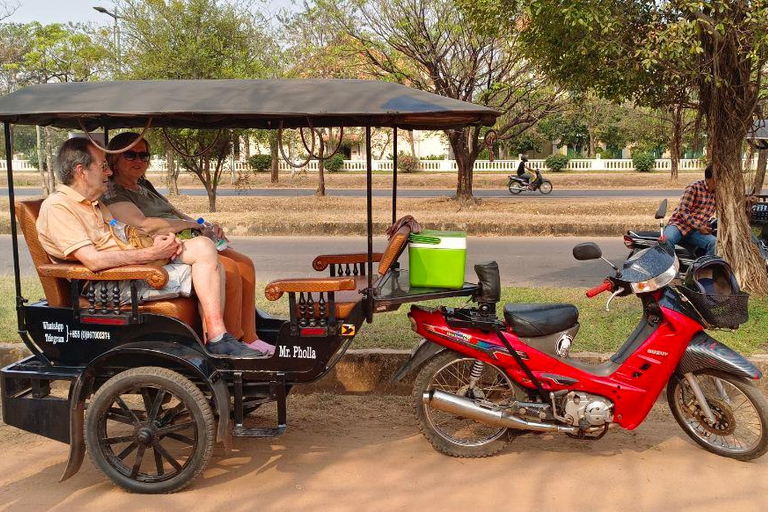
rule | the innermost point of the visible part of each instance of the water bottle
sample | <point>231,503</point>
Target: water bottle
<point>118,229</point>
<point>207,229</point>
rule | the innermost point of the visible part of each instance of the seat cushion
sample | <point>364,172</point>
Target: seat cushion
<point>532,320</point>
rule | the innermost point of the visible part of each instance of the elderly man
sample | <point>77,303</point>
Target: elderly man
<point>74,226</point>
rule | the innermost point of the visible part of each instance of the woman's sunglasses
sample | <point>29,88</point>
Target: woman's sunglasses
<point>131,155</point>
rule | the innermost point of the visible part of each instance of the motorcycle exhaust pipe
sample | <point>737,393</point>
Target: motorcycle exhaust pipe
<point>467,408</point>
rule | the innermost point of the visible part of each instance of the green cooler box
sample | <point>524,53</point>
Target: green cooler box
<point>436,259</point>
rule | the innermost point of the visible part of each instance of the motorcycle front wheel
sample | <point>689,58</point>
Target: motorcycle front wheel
<point>740,429</point>
<point>545,187</point>
<point>455,435</point>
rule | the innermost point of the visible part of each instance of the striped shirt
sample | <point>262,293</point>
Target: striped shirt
<point>696,207</point>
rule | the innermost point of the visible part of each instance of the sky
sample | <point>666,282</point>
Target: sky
<point>63,11</point>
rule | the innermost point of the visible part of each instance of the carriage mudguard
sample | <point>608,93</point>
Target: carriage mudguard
<point>705,352</point>
<point>424,350</point>
<point>149,353</point>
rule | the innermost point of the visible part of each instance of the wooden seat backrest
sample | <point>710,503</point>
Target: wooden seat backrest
<point>57,291</point>
<point>393,250</point>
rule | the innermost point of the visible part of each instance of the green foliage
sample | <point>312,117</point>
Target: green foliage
<point>556,163</point>
<point>335,163</point>
<point>434,157</point>
<point>260,163</point>
<point>407,163</point>
<point>643,161</point>
<point>530,141</point>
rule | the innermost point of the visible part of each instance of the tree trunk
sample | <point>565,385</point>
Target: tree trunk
<point>171,172</point>
<point>464,162</point>
<point>592,141</point>
<point>412,142</point>
<point>275,176</point>
<point>320,192</point>
<point>734,241</point>
<point>49,159</point>
<point>40,162</point>
<point>729,101</point>
<point>762,159</point>
<point>209,184</point>
<point>676,144</point>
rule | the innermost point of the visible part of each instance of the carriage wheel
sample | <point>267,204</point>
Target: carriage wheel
<point>150,430</point>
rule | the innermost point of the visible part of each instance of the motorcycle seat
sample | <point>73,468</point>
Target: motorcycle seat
<point>532,320</point>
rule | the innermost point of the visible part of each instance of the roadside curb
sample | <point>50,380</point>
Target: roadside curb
<point>369,371</point>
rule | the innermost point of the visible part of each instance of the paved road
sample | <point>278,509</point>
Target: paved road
<point>523,261</point>
<point>350,192</point>
<point>348,454</point>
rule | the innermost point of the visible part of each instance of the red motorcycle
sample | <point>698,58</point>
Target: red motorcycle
<point>483,380</point>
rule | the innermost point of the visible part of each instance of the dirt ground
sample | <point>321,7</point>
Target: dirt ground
<point>347,453</point>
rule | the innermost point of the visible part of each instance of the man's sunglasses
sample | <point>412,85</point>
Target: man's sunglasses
<point>131,155</point>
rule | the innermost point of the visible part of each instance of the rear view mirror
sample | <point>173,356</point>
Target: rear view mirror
<point>662,211</point>
<point>587,251</point>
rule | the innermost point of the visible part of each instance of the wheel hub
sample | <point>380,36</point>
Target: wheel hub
<point>724,423</point>
<point>144,436</point>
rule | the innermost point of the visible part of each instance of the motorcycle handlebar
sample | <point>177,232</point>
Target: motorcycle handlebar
<point>607,286</point>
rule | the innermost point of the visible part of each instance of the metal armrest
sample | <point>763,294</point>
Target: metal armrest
<point>321,262</point>
<point>156,277</point>
<point>275,289</point>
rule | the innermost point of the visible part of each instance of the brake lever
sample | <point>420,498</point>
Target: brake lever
<point>613,296</point>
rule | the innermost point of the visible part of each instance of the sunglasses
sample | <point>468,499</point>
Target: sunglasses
<point>131,155</point>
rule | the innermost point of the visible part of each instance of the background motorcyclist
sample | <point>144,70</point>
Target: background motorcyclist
<point>525,172</point>
<point>689,223</point>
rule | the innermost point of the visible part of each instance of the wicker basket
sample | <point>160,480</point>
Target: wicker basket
<point>723,311</point>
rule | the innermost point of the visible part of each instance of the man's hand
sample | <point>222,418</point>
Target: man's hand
<point>705,230</point>
<point>219,232</point>
<point>167,246</point>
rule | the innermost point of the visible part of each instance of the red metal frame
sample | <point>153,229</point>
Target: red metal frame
<point>633,387</point>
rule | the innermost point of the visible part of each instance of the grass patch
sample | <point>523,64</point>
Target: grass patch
<point>600,331</point>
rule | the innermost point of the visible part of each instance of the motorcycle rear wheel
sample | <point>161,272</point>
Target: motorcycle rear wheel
<point>740,430</point>
<point>545,187</point>
<point>514,188</point>
<point>453,435</point>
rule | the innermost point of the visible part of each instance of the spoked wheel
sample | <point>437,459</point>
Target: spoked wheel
<point>740,410</point>
<point>455,435</point>
<point>150,430</point>
<point>514,188</point>
<point>545,187</point>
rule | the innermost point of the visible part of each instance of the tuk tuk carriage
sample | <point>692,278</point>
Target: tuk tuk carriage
<point>144,396</point>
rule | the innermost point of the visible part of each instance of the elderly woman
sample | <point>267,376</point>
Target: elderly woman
<point>133,200</point>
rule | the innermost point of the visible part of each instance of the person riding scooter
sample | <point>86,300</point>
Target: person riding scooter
<point>690,222</point>
<point>525,172</point>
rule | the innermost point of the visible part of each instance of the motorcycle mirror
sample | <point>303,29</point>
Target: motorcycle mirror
<point>587,251</point>
<point>662,211</point>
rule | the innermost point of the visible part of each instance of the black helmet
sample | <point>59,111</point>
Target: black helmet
<point>524,158</point>
<point>711,275</point>
<point>712,289</point>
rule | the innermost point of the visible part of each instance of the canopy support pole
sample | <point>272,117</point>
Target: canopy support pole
<point>12,211</point>
<point>394,175</point>
<point>369,211</point>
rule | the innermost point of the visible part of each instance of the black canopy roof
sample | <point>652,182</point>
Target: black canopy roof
<point>238,104</point>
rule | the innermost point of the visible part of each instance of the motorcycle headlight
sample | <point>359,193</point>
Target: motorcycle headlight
<point>657,282</point>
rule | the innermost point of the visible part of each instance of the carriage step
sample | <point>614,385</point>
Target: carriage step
<point>258,431</point>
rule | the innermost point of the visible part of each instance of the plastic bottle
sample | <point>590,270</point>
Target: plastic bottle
<point>118,229</point>
<point>207,229</point>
